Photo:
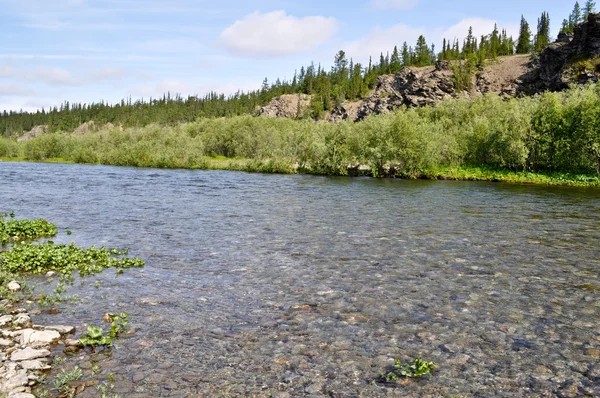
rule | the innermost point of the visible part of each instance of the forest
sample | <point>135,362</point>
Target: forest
<point>345,81</point>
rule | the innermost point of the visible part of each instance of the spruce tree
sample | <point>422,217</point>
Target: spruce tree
<point>395,64</point>
<point>542,38</point>
<point>577,17</point>
<point>524,41</point>
<point>588,8</point>
<point>422,52</point>
<point>405,55</point>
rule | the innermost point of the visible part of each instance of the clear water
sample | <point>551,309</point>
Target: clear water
<point>270,285</point>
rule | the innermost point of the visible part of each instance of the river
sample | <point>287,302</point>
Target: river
<point>291,285</point>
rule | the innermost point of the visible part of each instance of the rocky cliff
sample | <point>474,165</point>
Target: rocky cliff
<point>288,106</point>
<point>572,59</point>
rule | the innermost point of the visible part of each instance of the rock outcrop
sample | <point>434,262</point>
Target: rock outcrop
<point>572,59</point>
<point>412,87</point>
<point>34,132</point>
<point>288,106</point>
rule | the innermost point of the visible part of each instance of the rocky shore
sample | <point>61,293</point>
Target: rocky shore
<point>25,351</point>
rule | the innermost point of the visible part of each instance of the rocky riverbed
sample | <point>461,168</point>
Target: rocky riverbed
<point>26,352</point>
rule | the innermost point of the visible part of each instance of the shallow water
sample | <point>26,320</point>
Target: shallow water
<point>271,285</point>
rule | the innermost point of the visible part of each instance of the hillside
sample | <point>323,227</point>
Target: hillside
<point>572,59</point>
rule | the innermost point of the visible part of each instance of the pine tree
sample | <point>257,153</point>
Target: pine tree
<point>588,8</point>
<point>422,52</point>
<point>405,55</point>
<point>395,64</point>
<point>524,41</point>
<point>542,38</point>
<point>577,17</point>
<point>495,43</point>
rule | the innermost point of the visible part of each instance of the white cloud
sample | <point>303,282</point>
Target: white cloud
<point>10,90</point>
<point>175,86</point>
<point>106,74</point>
<point>54,77</point>
<point>276,34</point>
<point>6,71</point>
<point>395,4</point>
<point>381,41</point>
<point>481,26</point>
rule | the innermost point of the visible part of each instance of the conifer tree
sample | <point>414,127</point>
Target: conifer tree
<point>542,38</point>
<point>395,64</point>
<point>588,8</point>
<point>405,55</point>
<point>524,41</point>
<point>576,16</point>
<point>422,52</point>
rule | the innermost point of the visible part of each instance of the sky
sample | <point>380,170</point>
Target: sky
<point>53,51</point>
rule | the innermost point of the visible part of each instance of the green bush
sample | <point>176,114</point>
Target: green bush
<point>549,132</point>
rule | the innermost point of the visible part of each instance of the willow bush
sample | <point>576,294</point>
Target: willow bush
<point>554,132</point>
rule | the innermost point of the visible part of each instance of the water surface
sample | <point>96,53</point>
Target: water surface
<point>271,285</point>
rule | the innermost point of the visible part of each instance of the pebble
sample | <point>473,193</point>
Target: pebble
<point>14,286</point>
<point>24,353</point>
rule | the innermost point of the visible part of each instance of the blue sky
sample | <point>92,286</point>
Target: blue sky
<point>92,50</point>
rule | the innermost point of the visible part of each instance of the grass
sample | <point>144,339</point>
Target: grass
<point>62,380</point>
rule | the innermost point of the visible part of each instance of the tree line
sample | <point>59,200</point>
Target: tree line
<point>346,80</point>
<point>577,16</point>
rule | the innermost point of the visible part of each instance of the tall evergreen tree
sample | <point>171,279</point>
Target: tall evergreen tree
<point>588,8</point>
<point>577,16</point>
<point>406,61</point>
<point>395,64</point>
<point>422,52</point>
<point>524,41</point>
<point>542,38</point>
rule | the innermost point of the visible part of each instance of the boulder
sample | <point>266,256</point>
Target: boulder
<point>28,354</point>
<point>30,336</point>
<point>58,328</point>
<point>5,320</point>
<point>35,364</point>
<point>14,286</point>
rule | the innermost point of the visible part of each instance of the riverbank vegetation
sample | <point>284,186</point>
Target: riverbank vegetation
<point>550,138</point>
<point>346,80</point>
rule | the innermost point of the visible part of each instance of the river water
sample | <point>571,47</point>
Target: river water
<point>272,285</point>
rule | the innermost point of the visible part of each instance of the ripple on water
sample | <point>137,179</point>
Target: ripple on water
<point>263,285</point>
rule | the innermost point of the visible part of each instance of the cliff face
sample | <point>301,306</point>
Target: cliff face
<point>412,87</point>
<point>572,59</point>
<point>289,106</point>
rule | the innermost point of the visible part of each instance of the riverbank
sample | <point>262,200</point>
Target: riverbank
<point>551,138</point>
<point>461,173</point>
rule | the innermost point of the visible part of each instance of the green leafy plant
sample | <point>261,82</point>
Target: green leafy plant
<point>417,368</point>
<point>95,335</point>
<point>65,259</point>
<point>12,230</point>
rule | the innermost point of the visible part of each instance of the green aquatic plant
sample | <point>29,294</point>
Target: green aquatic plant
<point>12,230</point>
<point>95,335</point>
<point>417,368</point>
<point>41,258</point>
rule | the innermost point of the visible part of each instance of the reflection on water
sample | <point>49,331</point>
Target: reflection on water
<point>267,285</point>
